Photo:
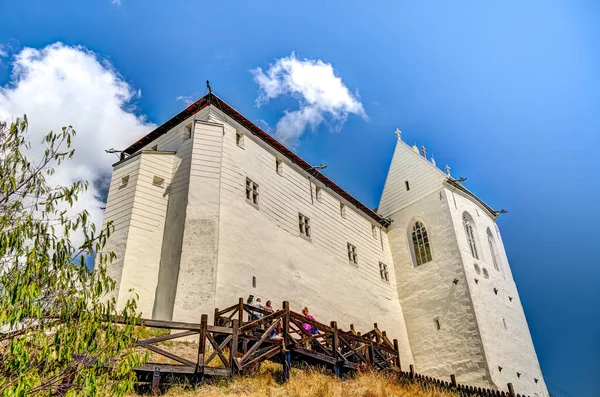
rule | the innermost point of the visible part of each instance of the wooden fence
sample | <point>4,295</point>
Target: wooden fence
<point>243,336</point>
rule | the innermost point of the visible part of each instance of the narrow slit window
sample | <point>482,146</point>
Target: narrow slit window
<point>343,210</point>
<point>485,273</point>
<point>504,322</point>
<point>352,254</point>
<point>407,185</point>
<point>187,131</point>
<point>421,246</point>
<point>468,225</point>
<point>252,192</point>
<point>279,166</point>
<point>124,181</point>
<point>304,225</point>
<point>492,245</point>
<point>239,138</point>
<point>319,193</point>
<point>383,272</point>
<point>253,281</point>
<point>477,268</point>
<point>158,181</point>
<point>436,322</point>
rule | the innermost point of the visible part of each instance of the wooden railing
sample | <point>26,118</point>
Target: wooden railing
<point>242,336</point>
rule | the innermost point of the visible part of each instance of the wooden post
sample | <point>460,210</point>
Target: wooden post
<point>234,347</point>
<point>412,371</point>
<point>334,347</point>
<point>511,390</point>
<point>453,380</point>
<point>202,344</point>
<point>216,320</point>
<point>156,381</point>
<point>286,360</point>
<point>377,338</point>
<point>241,312</point>
<point>371,355</point>
<point>397,348</point>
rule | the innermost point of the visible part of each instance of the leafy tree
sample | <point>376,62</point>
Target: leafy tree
<point>54,337</point>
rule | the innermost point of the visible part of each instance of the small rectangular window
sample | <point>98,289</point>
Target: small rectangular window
<point>343,210</point>
<point>251,192</point>
<point>319,193</point>
<point>436,322</point>
<point>352,254</point>
<point>253,281</point>
<point>304,225</point>
<point>239,138</point>
<point>407,185</point>
<point>187,131</point>
<point>504,322</point>
<point>124,181</point>
<point>383,272</point>
<point>155,148</point>
<point>158,181</point>
<point>279,166</point>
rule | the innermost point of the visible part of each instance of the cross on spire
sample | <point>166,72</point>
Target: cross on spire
<point>447,168</point>
<point>398,134</point>
<point>424,151</point>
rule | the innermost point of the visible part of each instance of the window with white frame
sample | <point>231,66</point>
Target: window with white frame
<point>492,245</point>
<point>251,191</point>
<point>383,272</point>
<point>279,166</point>
<point>468,225</point>
<point>352,255</point>
<point>421,245</point>
<point>343,210</point>
<point>304,225</point>
<point>319,193</point>
<point>239,138</point>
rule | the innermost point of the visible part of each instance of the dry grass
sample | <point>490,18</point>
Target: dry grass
<point>305,383</point>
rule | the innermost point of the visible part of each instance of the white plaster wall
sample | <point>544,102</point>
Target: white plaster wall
<point>406,165</point>
<point>512,347</point>
<point>266,243</point>
<point>196,283</point>
<point>119,207</point>
<point>142,257</point>
<point>428,292</point>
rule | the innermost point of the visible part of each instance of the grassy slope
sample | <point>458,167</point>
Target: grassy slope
<point>305,383</point>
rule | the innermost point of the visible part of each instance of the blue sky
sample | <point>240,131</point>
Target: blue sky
<point>507,93</point>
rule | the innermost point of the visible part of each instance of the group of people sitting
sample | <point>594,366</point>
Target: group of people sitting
<point>277,332</point>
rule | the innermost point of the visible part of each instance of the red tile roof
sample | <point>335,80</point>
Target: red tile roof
<point>256,131</point>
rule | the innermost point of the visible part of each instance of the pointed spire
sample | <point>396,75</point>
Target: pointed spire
<point>398,134</point>
<point>447,168</point>
<point>415,148</point>
<point>432,159</point>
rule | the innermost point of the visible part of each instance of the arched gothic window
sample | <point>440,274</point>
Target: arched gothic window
<point>421,246</point>
<point>468,224</point>
<point>492,245</point>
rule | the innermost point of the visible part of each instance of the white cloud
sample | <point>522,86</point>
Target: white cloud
<point>3,52</point>
<point>61,85</point>
<point>117,2</point>
<point>322,95</point>
<point>187,100</point>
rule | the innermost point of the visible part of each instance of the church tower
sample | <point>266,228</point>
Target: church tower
<point>460,303</point>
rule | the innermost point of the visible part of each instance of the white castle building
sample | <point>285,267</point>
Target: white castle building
<point>208,208</point>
